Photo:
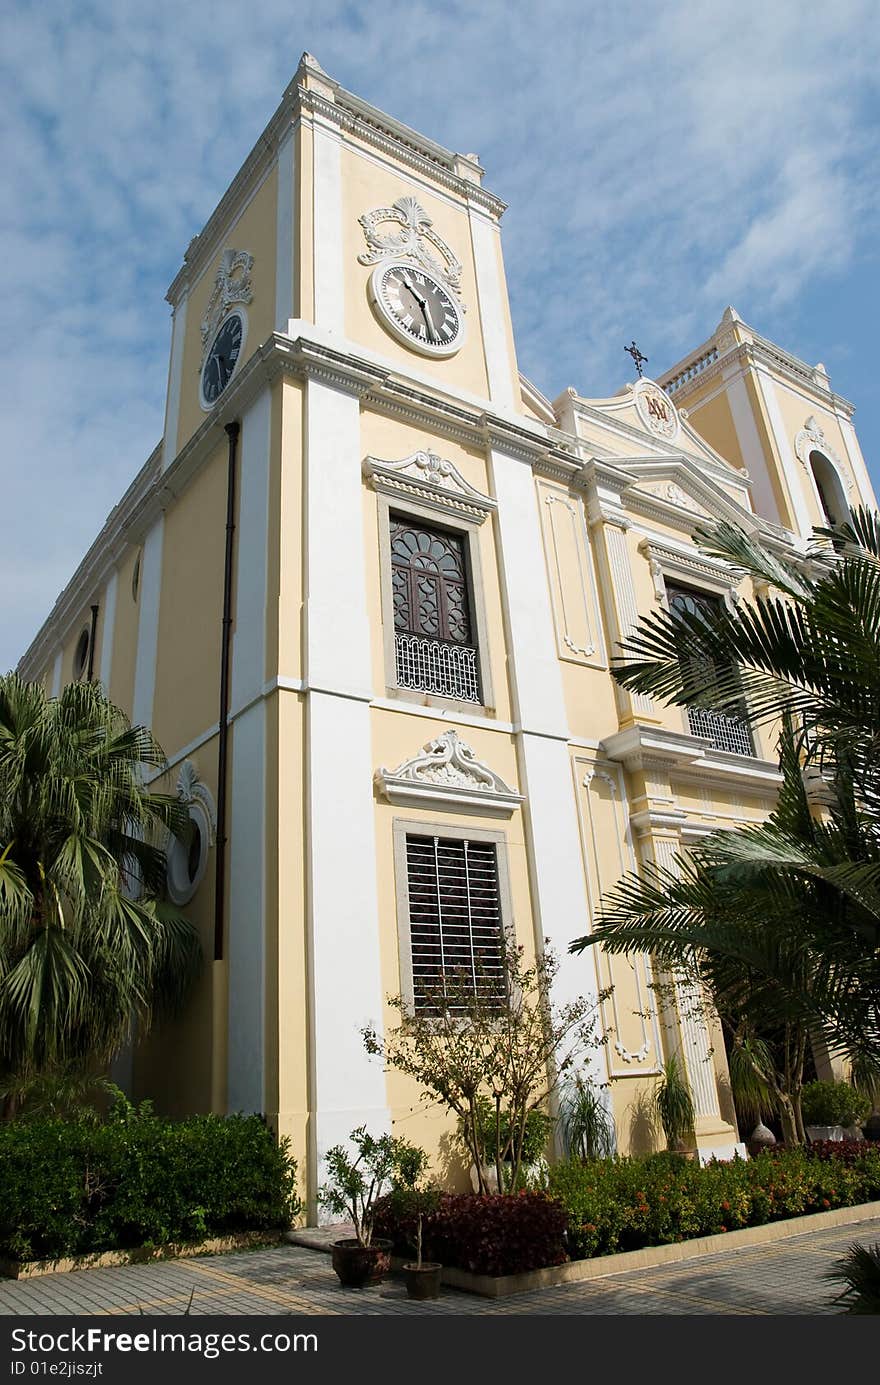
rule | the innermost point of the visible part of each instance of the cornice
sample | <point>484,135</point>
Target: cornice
<point>204,243</point>
<point>689,756</point>
<point>350,115</point>
<point>432,480</point>
<point>93,572</point>
<point>684,562</point>
<point>759,352</point>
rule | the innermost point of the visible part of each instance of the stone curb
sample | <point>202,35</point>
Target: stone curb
<point>218,1245</point>
<point>576,1271</point>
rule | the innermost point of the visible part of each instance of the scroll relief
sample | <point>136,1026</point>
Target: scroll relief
<point>415,238</point>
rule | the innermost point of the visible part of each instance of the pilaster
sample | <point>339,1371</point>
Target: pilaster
<point>347,1088</point>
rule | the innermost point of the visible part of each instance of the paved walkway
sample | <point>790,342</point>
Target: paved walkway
<point>769,1279</point>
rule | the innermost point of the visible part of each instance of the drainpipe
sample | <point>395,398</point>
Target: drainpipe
<point>232,432</point>
<point>91,671</point>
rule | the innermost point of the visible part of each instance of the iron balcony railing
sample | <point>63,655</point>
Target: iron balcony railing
<point>724,731</point>
<point>433,666</point>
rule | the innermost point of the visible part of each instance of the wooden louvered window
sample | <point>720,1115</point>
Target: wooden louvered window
<point>455,918</point>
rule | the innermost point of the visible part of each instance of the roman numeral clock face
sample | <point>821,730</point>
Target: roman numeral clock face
<point>417,309</point>
<point>222,359</point>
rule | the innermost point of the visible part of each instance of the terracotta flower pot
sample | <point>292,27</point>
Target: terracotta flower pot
<point>422,1281</point>
<point>357,1265</point>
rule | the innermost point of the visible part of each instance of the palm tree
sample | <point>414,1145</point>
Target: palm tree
<point>784,917</point>
<point>86,944</point>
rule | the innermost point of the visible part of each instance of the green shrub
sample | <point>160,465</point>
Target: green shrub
<point>72,1187</point>
<point>624,1204</point>
<point>833,1103</point>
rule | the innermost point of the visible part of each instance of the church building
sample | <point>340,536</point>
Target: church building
<point>365,592</point>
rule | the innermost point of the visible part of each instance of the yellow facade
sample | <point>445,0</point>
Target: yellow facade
<point>352,737</point>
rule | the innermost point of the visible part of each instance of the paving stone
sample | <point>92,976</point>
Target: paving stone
<point>785,1278</point>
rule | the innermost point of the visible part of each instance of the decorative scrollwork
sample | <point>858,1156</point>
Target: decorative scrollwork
<point>232,284</point>
<point>413,240</point>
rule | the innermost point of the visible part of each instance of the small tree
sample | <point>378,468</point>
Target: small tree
<point>357,1182</point>
<point>470,1041</point>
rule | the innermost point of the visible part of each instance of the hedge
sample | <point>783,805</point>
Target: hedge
<point>73,1187</point>
<point>624,1204</point>
<point>600,1206</point>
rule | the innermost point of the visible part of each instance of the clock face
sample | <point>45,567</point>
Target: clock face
<point>221,359</point>
<point>417,309</point>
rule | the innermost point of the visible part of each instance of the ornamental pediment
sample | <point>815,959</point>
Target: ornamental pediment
<point>446,773</point>
<point>431,479</point>
<point>674,493</point>
<point>681,492</point>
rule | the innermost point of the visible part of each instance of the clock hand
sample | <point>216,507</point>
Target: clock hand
<point>423,304</point>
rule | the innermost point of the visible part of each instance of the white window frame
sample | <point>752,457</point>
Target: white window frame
<point>462,511</point>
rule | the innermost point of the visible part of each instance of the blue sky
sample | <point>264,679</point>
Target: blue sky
<point>659,162</point>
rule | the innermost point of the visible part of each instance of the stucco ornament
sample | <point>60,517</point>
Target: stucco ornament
<point>232,285</point>
<point>656,410</point>
<point>432,479</point>
<point>416,239</point>
<point>446,771</point>
<point>192,792</point>
<point>811,438</point>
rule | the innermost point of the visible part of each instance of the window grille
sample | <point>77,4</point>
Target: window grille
<point>456,928</point>
<point>725,730</point>
<point>435,650</point>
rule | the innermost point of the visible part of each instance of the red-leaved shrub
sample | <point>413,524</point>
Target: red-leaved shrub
<point>504,1234</point>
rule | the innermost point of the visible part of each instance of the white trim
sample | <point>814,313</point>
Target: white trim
<point>285,233</point>
<point>537,679</point>
<point>56,673</point>
<point>247,915</point>
<point>500,372</point>
<point>329,269</point>
<point>857,462</point>
<point>417,709</point>
<point>108,629</point>
<point>248,655</point>
<point>175,383</point>
<point>337,630</point>
<point>749,440</point>
<point>148,626</point>
<point>559,894</point>
<point>343,931</point>
<point>790,471</point>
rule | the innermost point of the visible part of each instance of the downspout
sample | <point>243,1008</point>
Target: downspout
<point>232,432</point>
<point>91,671</point>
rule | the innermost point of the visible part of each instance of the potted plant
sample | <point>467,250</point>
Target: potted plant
<point>355,1185</point>
<point>422,1277</point>
<point>829,1107</point>
<point>674,1105</point>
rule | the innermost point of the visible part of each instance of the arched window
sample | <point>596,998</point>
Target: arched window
<point>831,493</point>
<point>435,646</point>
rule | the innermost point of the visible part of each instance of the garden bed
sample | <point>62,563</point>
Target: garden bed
<point>104,1259</point>
<point>577,1271</point>
<point>631,1212</point>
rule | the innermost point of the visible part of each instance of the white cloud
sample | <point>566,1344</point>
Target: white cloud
<point>658,161</point>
